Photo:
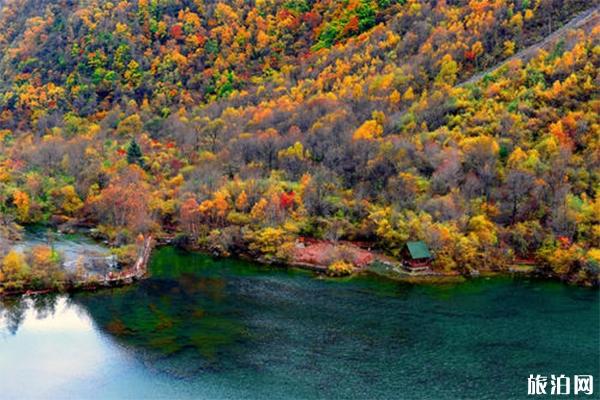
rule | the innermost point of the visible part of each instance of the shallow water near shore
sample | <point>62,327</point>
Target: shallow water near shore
<point>228,329</point>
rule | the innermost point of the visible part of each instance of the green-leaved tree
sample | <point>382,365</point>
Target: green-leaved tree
<point>134,154</point>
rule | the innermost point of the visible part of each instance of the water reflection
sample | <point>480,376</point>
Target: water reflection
<point>200,328</point>
<point>177,324</point>
<point>14,311</point>
<point>41,313</point>
<point>12,314</point>
<point>171,323</point>
<point>48,341</point>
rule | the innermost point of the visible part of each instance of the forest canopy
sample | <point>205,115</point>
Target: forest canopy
<point>242,125</point>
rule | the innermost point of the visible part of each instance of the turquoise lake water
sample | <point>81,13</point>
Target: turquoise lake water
<point>201,328</point>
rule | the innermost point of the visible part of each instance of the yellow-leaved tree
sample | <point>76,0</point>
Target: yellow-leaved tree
<point>371,129</point>
<point>15,271</point>
<point>22,203</point>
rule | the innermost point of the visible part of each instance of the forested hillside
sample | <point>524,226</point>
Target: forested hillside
<point>240,125</point>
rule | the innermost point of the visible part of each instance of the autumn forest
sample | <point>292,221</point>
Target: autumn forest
<point>238,127</point>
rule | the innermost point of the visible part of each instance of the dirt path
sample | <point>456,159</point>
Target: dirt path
<point>586,17</point>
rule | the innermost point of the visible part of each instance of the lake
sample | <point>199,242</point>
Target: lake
<point>228,329</point>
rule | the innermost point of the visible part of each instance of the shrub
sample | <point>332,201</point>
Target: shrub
<point>340,268</point>
<point>126,255</point>
<point>15,272</point>
<point>46,268</point>
<point>238,218</point>
<point>181,240</point>
<point>225,242</point>
<point>274,243</point>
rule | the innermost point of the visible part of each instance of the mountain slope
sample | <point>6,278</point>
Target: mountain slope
<point>584,20</point>
<point>242,125</point>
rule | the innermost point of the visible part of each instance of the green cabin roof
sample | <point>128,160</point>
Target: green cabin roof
<point>418,250</point>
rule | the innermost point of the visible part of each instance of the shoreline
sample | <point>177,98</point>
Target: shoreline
<point>126,277</point>
<point>430,277</point>
<point>139,271</point>
<point>516,269</point>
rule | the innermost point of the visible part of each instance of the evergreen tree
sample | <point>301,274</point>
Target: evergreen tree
<point>134,154</point>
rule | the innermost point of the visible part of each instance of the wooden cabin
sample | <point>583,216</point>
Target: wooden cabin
<point>416,255</point>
